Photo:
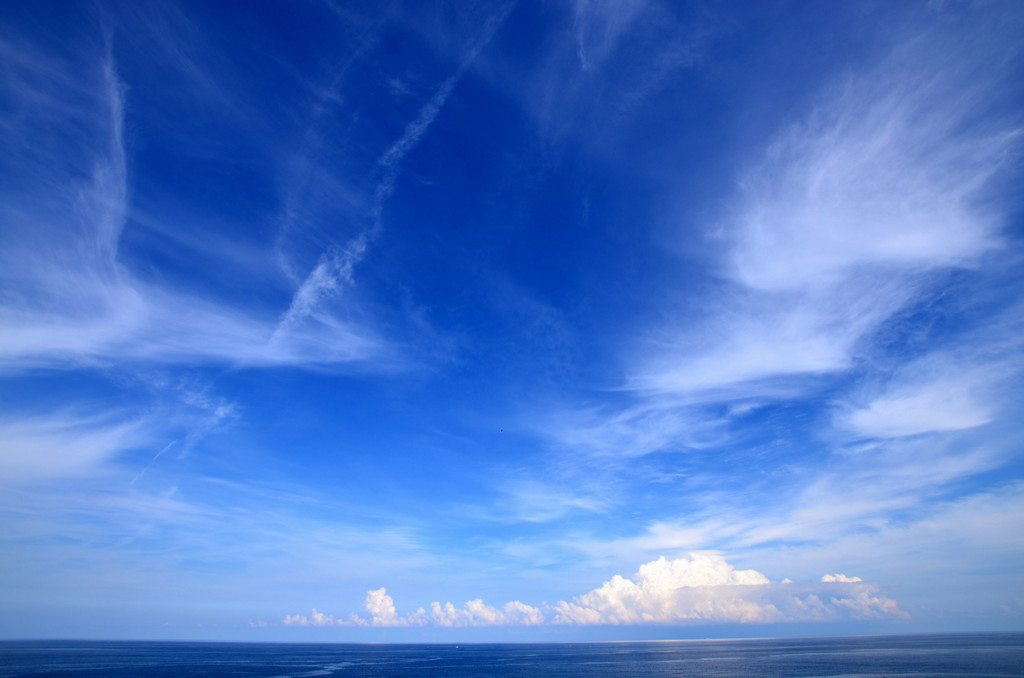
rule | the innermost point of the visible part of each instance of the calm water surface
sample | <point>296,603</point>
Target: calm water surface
<point>918,656</point>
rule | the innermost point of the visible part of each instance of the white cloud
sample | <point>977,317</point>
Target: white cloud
<point>382,612</point>
<point>334,269</point>
<point>35,449</point>
<point>948,545</point>
<point>599,26</point>
<point>537,502</point>
<point>315,619</point>
<point>941,392</point>
<point>886,174</point>
<point>877,177</point>
<point>939,407</point>
<point>663,591</point>
<point>381,608</point>
<point>702,588</point>
<point>322,283</point>
<point>854,216</point>
<point>840,578</point>
<point>87,441</point>
<point>390,161</point>
<point>856,489</point>
<point>842,223</point>
<point>589,88</point>
<point>753,341</point>
<point>860,601</point>
<point>705,588</point>
<point>476,613</point>
<point>308,324</point>
<point>629,432</point>
<point>72,297</point>
<point>521,613</point>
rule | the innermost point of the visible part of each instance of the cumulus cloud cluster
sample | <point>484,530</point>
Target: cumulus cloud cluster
<point>476,613</point>
<point>706,588</point>
<point>314,619</point>
<point>700,588</point>
<point>381,610</point>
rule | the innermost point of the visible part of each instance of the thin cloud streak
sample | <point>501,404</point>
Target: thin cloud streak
<point>335,270</point>
<point>76,302</point>
<point>861,488</point>
<point>111,314</point>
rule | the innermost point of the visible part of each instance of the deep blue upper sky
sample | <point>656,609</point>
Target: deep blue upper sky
<point>613,319</point>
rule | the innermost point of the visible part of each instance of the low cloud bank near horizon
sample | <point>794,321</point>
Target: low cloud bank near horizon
<point>700,588</point>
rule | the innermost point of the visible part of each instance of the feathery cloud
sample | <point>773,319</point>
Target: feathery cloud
<point>334,270</point>
<point>35,449</point>
<point>841,224</point>
<point>77,300</point>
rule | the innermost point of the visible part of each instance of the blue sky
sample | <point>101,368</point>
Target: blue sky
<point>510,321</point>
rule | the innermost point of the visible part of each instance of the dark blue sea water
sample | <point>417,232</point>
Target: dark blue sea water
<point>918,656</point>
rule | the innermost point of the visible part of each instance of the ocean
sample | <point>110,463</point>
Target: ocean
<point>918,656</point>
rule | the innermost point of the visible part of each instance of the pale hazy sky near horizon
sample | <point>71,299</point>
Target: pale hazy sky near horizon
<point>394,321</point>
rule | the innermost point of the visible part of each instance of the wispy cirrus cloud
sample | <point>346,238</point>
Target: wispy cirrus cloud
<point>334,269</point>
<point>967,385</point>
<point>616,56</point>
<point>951,402</point>
<point>65,445</point>
<point>823,383</point>
<point>536,501</point>
<point>76,296</point>
<point>77,300</point>
<point>864,494</point>
<point>846,219</point>
<point>95,441</point>
<point>851,221</point>
<point>599,25</point>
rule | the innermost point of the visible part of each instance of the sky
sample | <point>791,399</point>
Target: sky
<point>510,321</point>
